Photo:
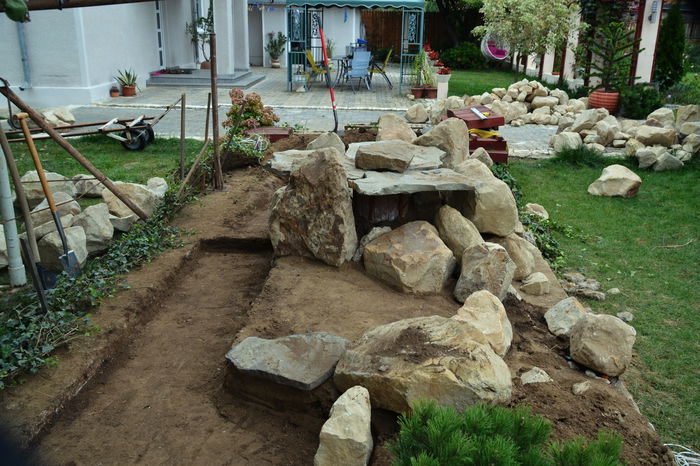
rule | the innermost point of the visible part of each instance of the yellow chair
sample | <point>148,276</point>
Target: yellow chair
<point>315,69</point>
<point>376,68</point>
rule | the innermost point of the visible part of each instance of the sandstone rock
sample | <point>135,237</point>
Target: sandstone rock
<point>515,111</point>
<point>45,228</point>
<point>647,156</point>
<point>123,224</point>
<point>393,127</point>
<point>619,143</point>
<point>87,186</point>
<point>312,215</point>
<point>625,316</point>
<point>540,101</point>
<point>328,139</point>
<point>562,317</point>
<point>346,437</point>
<point>691,143</point>
<point>417,114</point>
<point>616,180</point>
<point>661,117</point>
<point>522,252</point>
<point>650,135</point>
<point>484,311</point>
<point>141,195</point>
<point>437,110</point>
<point>535,375</point>
<point>566,139</point>
<point>454,102</point>
<point>384,155</point>
<point>425,357</point>
<point>51,248</point>
<point>57,182</point>
<point>411,258</point>
<point>682,155</point>
<point>561,95</point>
<point>586,120</point>
<point>580,388</point>
<point>486,98</point>
<point>158,185</point>
<point>300,361</point>
<point>375,232</point>
<point>457,232</point>
<point>488,267</point>
<point>491,207</point>
<point>451,136</point>
<point>596,147</point>
<point>535,284</point>
<point>98,228</point>
<point>602,343</point>
<point>481,155</point>
<point>577,106</point>
<point>64,114</point>
<point>475,170</point>
<point>64,205</point>
<point>592,138</point>
<point>667,162</point>
<point>542,110</point>
<point>687,114</point>
<point>536,209</point>
<point>691,127</point>
<point>499,91</point>
<point>606,129</point>
<point>632,146</point>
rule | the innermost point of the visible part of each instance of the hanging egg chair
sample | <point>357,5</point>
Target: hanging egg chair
<point>493,47</point>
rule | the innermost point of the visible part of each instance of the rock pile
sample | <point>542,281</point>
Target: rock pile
<point>89,231</point>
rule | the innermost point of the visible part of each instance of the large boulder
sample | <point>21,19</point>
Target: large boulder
<point>491,206</point>
<point>603,343</point>
<point>585,120</point>
<point>302,361</point>
<point>98,228</point>
<point>562,96</point>
<point>417,114</point>
<point>691,143</point>
<point>312,216</point>
<point>434,357</point>
<point>45,228</point>
<point>522,252</point>
<point>687,113</point>
<point>647,156</point>
<point>616,180</point>
<point>485,312</point>
<point>661,117</point>
<point>158,185</point>
<point>141,195</point>
<point>485,266</point>
<point>666,161</point>
<point>458,233</point>
<point>566,139</point>
<point>540,101</point>
<point>411,258</point>
<point>651,135</point>
<point>606,129</point>
<point>65,205</point>
<point>536,284</point>
<point>346,437</point>
<point>328,139</point>
<point>384,155</point>
<point>562,317</point>
<point>482,156</point>
<point>452,136</point>
<point>51,247</point>
<point>87,186</point>
<point>691,127</point>
<point>393,127</point>
<point>57,183</point>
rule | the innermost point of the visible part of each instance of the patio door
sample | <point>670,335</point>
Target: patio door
<point>304,32</point>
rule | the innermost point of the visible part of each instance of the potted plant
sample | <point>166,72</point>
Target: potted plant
<point>443,74</point>
<point>275,47</point>
<point>428,77</point>
<point>199,31</point>
<point>127,81</point>
<point>611,54</point>
<point>416,76</point>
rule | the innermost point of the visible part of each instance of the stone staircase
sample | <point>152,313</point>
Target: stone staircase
<point>201,78</point>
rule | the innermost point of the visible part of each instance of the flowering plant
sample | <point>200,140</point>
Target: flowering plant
<point>247,112</point>
<point>444,70</point>
<point>433,55</point>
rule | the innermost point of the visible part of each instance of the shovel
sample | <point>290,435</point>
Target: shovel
<point>69,261</point>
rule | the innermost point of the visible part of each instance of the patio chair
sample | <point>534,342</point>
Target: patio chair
<point>359,69</point>
<point>381,69</point>
<point>316,70</point>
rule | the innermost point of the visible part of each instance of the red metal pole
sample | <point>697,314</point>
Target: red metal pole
<point>328,80</point>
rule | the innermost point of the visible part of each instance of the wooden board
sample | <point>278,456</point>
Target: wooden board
<point>273,133</point>
<point>493,120</point>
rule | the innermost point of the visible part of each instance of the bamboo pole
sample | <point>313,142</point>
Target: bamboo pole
<point>72,151</point>
<point>183,104</point>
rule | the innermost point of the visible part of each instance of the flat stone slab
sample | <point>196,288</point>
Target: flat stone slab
<point>302,361</point>
<point>392,156</point>
<point>421,158</point>
<point>411,181</point>
<point>285,162</point>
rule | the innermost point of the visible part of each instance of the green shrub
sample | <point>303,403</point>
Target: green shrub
<point>694,58</point>
<point>639,100</point>
<point>670,65</point>
<point>466,56</point>
<point>686,92</point>
<point>580,156</point>
<point>491,435</point>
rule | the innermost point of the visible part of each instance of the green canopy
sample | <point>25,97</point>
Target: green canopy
<point>413,4</point>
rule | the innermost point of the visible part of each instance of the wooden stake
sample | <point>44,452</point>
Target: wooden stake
<point>183,104</point>
<point>218,176</point>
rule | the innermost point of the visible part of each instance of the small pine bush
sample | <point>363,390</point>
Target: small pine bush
<point>433,435</point>
<point>580,156</point>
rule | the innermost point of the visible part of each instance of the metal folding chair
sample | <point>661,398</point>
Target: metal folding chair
<point>359,69</point>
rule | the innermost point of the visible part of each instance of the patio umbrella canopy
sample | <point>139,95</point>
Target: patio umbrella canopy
<point>305,19</point>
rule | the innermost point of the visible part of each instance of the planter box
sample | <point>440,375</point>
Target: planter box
<point>443,78</point>
<point>272,133</point>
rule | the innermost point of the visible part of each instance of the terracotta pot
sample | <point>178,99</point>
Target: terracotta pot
<point>205,65</point>
<point>607,100</point>
<point>430,92</point>
<point>114,92</point>
<point>417,92</point>
<point>128,91</point>
<point>274,63</point>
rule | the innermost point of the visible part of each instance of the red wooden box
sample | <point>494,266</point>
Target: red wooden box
<point>473,121</point>
<point>495,146</point>
<point>272,133</point>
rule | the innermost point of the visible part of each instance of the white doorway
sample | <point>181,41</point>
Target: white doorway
<point>255,37</point>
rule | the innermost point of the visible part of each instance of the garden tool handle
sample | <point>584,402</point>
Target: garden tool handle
<point>22,117</point>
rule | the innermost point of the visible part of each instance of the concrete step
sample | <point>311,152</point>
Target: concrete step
<point>201,78</point>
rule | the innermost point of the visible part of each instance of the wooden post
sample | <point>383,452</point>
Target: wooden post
<point>218,176</point>
<point>183,104</point>
<point>72,151</point>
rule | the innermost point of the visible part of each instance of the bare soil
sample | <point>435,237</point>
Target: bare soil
<point>150,388</point>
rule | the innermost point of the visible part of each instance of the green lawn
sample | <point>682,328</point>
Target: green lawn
<point>649,247</point>
<point>159,158</point>
<point>478,82</point>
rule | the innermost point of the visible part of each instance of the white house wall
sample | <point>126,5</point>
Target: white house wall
<point>255,37</point>
<point>343,32</point>
<point>650,32</point>
<point>179,50</point>
<point>274,19</point>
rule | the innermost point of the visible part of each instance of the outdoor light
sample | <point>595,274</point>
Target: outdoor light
<point>654,10</point>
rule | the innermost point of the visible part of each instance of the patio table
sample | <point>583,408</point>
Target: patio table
<point>343,63</point>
